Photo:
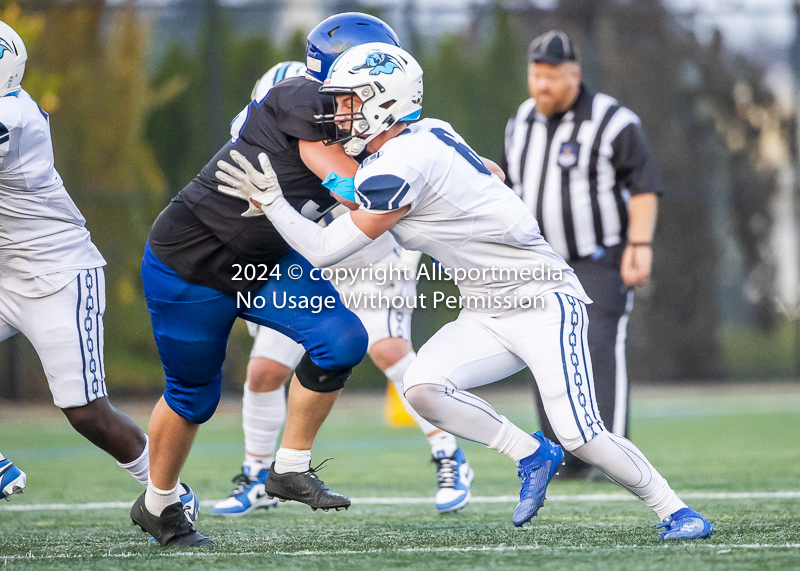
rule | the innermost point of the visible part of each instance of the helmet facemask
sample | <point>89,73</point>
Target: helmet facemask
<point>387,81</point>
<point>353,129</point>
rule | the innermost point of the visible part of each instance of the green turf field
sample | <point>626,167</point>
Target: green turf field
<point>729,454</point>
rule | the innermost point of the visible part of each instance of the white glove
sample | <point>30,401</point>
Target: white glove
<point>249,184</point>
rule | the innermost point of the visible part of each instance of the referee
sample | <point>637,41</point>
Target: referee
<point>579,161</point>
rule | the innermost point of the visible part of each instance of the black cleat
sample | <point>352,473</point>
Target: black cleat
<point>304,487</point>
<point>171,528</point>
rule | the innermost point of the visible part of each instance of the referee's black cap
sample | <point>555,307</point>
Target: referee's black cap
<point>552,48</point>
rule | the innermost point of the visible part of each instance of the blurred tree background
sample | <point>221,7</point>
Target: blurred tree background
<point>137,109</point>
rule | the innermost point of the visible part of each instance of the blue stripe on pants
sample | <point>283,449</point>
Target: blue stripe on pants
<point>564,363</point>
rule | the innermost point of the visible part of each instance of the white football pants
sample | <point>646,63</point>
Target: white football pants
<point>475,350</point>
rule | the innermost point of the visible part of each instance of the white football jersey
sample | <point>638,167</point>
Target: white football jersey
<point>463,216</point>
<point>42,232</point>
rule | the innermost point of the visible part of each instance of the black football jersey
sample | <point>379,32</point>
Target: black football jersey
<point>202,236</point>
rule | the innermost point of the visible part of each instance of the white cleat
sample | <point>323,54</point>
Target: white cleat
<point>454,478</point>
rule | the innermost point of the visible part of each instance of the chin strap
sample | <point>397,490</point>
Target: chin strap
<point>355,146</point>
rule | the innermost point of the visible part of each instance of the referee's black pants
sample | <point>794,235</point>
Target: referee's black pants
<point>608,320</point>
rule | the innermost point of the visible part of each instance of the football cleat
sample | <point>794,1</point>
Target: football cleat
<point>685,524</point>
<point>453,476</point>
<point>190,503</point>
<point>171,529</point>
<point>12,479</point>
<point>536,471</point>
<point>247,496</point>
<point>304,487</point>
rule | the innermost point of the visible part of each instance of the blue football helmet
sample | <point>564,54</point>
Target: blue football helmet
<point>340,32</point>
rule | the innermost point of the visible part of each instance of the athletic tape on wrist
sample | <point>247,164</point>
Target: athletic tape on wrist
<point>343,187</point>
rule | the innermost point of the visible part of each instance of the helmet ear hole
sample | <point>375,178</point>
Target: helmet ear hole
<point>387,104</point>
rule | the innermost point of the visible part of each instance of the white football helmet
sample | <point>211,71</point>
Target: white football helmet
<point>386,79</point>
<point>276,73</point>
<point>13,56</point>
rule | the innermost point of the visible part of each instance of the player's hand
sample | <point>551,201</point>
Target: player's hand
<point>247,183</point>
<point>637,262</point>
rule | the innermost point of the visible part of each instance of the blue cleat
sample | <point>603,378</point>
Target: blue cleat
<point>536,471</point>
<point>12,479</point>
<point>454,476</point>
<point>247,496</point>
<point>685,524</point>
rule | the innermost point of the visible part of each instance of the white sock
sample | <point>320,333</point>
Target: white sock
<point>2,457</point>
<point>140,468</point>
<point>443,444</point>
<point>253,466</point>
<point>514,442</point>
<point>263,415</point>
<point>289,460</point>
<point>625,464</point>
<point>395,373</point>
<point>156,500</point>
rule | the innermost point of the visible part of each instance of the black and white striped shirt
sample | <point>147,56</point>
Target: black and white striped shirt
<point>596,158</point>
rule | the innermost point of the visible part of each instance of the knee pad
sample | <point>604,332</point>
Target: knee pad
<point>195,403</point>
<point>315,378</point>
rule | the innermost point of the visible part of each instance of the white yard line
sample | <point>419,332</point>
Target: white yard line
<point>412,501</point>
<point>719,547</point>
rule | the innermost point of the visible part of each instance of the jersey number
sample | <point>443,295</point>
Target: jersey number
<point>313,211</point>
<point>462,149</point>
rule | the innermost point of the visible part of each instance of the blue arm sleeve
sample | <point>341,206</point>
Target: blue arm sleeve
<point>343,187</point>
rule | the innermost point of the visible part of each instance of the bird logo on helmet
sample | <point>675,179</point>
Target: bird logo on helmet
<point>4,47</point>
<point>378,63</point>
